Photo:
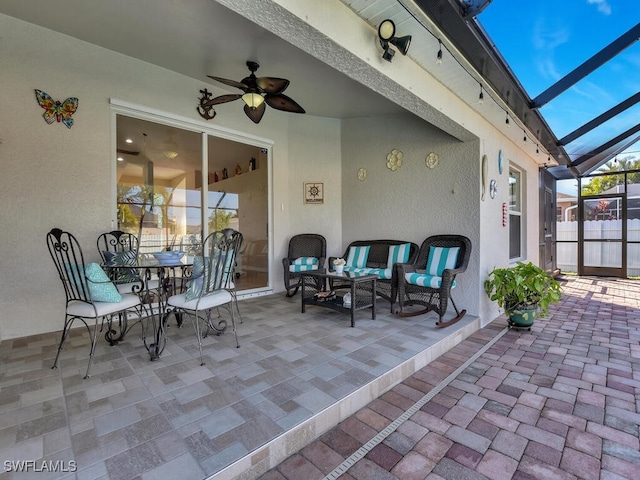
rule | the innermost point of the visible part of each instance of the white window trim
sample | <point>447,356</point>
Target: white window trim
<point>520,213</point>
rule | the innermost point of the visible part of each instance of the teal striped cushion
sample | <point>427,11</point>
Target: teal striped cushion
<point>305,261</point>
<point>383,273</point>
<point>423,280</point>
<point>441,258</point>
<point>303,268</point>
<point>398,254</point>
<point>357,256</point>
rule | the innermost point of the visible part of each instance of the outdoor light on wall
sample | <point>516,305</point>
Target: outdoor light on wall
<point>386,33</point>
<point>439,54</point>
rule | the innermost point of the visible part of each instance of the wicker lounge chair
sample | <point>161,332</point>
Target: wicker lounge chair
<point>428,281</point>
<point>307,251</point>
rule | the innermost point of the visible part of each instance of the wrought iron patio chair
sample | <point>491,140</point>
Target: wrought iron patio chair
<point>90,294</point>
<point>231,274</point>
<point>121,248</point>
<point>116,241</point>
<point>307,251</point>
<point>429,280</point>
<point>208,287</point>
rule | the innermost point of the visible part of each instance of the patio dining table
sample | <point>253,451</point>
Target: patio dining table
<point>154,283</point>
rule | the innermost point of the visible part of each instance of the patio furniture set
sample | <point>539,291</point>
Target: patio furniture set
<point>146,288</point>
<point>150,288</point>
<point>398,271</point>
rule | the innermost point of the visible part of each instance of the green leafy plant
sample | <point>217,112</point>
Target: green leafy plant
<point>522,287</point>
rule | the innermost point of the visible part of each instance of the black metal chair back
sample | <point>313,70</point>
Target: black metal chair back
<point>69,261</point>
<point>220,249</point>
<point>116,241</point>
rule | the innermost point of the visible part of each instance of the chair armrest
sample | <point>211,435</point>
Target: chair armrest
<point>448,275</point>
<point>403,268</point>
<point>453,271</point>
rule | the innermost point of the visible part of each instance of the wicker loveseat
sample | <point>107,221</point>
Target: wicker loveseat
<point>377,260</point>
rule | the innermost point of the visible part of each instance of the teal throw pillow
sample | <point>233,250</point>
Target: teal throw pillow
<point>100,286</point>
<point>123,275</point>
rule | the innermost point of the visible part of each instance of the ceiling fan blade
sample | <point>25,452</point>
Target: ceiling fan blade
<point>222,99</point>
<point>272,85</point>
<point>282,102</point>
<point>231,83</point>
<point>255,114</point>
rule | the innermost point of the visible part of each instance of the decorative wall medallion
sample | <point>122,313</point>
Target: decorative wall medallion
<point>55,110</point>
<point>500,161</point>
<point>362,174</point>
<point>394,160</point>
<point>432,160</point>
<point>493,188</point>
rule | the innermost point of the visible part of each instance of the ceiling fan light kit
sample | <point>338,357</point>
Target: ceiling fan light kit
<point>258,92</point>
<point>386,35</point>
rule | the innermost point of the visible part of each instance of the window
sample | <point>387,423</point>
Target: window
<point>515,214</point>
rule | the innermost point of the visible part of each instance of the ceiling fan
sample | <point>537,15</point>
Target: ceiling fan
<point>258,92</point>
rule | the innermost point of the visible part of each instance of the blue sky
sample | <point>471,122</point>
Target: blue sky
<point>543,40</point>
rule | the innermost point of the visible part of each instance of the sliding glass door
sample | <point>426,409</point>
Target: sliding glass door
<point>175,185</point>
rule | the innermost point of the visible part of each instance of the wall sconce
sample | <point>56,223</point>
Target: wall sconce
<point>386,33</point>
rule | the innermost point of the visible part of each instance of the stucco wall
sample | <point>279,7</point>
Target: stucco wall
<point>414,201</point>
<point>53,176</point>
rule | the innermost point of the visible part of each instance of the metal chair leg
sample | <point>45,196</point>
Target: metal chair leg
<point>65,333</point>
<point>197,328</point>
<point>93,348</point>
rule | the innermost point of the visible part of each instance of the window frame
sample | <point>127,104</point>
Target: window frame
<point>519,211</point>
<point>124,108</point>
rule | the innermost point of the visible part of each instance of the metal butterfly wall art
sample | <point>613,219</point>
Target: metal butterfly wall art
<point>55,110</point>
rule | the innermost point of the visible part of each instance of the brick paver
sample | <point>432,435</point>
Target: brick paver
<point>559,402</point>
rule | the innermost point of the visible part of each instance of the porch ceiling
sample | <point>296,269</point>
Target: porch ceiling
<point>207,38</point>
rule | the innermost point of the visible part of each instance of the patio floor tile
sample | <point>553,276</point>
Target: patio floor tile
<point>558,402</point>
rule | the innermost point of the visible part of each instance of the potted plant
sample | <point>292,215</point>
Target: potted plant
<point>522,290</point>
<point>338,265</point>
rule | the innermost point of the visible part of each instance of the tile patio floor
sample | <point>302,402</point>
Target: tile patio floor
<point>295,376</point>
<point>559,402</point>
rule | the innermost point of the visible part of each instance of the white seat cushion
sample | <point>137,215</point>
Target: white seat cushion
<point>214,299</point>
<point>82,309</point>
